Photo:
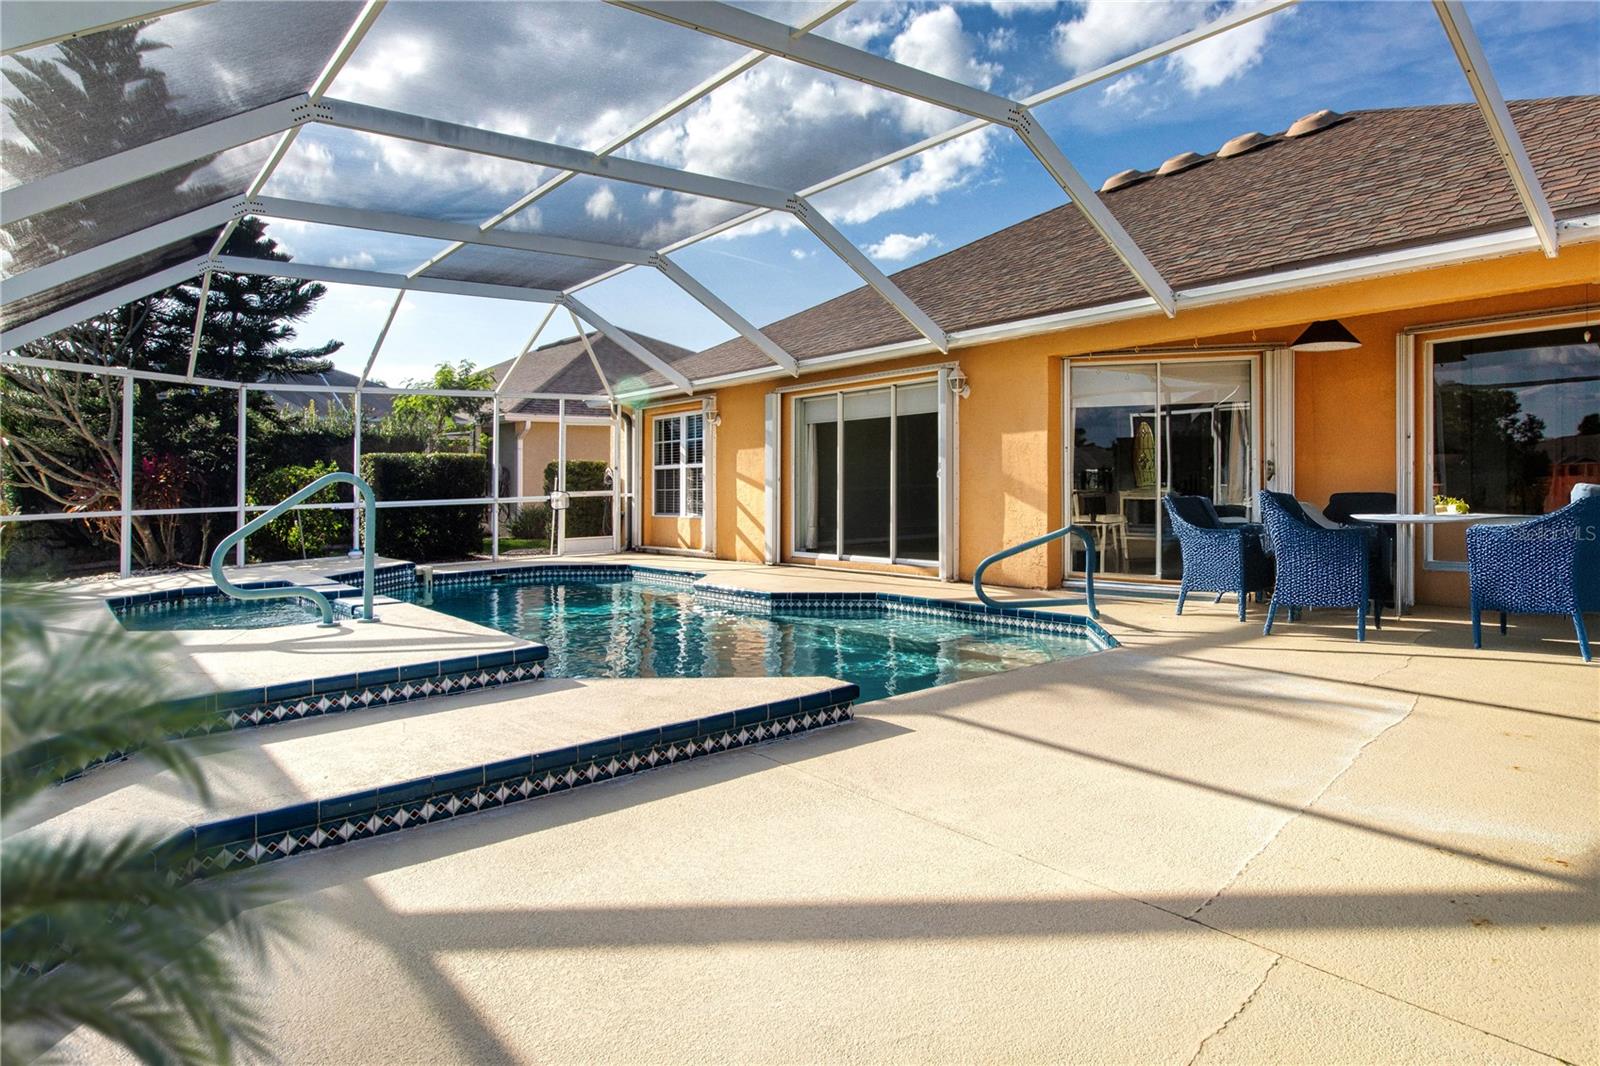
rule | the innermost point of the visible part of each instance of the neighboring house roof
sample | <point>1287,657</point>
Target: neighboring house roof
<point>564,367</point>
<point>373,405</point>
<point>1378,180</point>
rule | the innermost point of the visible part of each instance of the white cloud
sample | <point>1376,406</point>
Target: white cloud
<point>922,178</point>
<point>601,204</point>
<point>1105,30</point>
<point>800,253</point>
<point>379,72</point>
<point>935,41</point>
<point>354,261</point>
<point>861,25</point>
<point>898,246</point>
<point>1000,39</point>
<point>1119,88</point>
<point>1219,59</point>
<point>1110,29</point>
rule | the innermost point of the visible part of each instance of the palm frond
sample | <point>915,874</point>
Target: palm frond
<point>99,930</point>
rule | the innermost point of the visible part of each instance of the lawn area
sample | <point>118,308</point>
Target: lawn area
<point>512,544</point>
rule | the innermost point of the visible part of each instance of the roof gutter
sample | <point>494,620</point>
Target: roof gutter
<point>1445,253</point>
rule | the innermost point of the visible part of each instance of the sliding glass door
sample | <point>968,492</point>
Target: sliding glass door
<point>1140,430</point>
<point>866,466</point>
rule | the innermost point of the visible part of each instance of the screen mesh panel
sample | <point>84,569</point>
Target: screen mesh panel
<point>789,126</point>
<point>348,168</point>
<point>573,73</point>
<point>19,312</point>
<point>84,99</point>
<point>349,248</point>
<point>647,302</point>
<point>617,212</point>
<point>511,266</point>
<point>75,227</point>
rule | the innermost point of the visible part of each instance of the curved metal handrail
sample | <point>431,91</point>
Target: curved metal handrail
<point>1015,549</point>
<point>300,591</point>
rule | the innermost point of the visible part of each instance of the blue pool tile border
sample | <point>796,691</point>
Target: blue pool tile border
<point>760,602</point>
<point>174,596</point>
<point>293,700</point>
<point>894,603</point>
<point>343,589</point>
<point>384,578</point>
<point>250,840</point>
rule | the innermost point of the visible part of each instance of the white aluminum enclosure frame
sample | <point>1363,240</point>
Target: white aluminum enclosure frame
<point>240,509</point>
<point>287,116</point>
<point>743,27</point>
<point>1475,65</point>
<point>798,44</point>
<point>35,25</point>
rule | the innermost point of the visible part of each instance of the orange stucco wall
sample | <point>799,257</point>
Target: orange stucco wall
<point>540,448</point>
<point>681,534</point>
<point>1010,432</point>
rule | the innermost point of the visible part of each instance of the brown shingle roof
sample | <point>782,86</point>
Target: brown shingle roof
<point>1381,180</point>
<point>564,367</point>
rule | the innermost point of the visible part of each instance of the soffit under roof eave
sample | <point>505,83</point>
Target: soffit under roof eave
<point>1492,245</point>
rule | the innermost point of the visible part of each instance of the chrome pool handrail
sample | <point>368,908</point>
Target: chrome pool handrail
<point>300,591</point>
<point>1015,549</point>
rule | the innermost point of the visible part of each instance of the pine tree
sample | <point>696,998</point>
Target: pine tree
<point>63,431</point>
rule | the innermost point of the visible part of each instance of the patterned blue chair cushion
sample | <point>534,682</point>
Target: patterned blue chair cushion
<point>1196,510</point>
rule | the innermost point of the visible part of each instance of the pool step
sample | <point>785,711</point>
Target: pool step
<point>315,784</point>
<point>291,701</point>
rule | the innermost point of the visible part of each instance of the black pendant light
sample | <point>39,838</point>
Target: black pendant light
<point>1328,335</point>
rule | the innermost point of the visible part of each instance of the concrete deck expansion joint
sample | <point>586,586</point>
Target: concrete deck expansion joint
<point>1245,866</point>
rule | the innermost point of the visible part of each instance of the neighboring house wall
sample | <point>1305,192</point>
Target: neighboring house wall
<point>1011,437</point>
<point>540,449</point>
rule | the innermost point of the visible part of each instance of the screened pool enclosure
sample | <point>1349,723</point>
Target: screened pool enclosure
<point>147,144</point>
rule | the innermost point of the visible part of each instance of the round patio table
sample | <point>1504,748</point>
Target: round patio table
<point>1430,519</point>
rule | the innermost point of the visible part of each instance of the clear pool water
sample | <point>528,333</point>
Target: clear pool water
<point>218,612</point>
<point>631,629</point>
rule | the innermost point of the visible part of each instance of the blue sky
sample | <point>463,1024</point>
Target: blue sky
<point>788,126</point>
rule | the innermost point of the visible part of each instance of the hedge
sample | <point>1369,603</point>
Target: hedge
<point>427,534</point>
<point>300,533</point>
<point>589,517</point>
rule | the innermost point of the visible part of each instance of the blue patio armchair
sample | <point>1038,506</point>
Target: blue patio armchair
<point>1550,565</point>
<point>1318,567</point>
<point>1217,558</point>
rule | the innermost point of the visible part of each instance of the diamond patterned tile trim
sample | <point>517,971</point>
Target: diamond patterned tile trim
<point>259,838</point>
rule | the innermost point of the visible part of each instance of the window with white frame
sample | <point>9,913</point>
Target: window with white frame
<point>680,465</point>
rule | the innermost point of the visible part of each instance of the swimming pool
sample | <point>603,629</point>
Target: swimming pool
<point>619,621</point>
<point>628,628</point>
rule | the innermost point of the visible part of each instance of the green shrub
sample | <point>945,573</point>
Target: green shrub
<point>299,534</point>
<point>588,517</point>
<point>531,522</point>
<point>427,534</point>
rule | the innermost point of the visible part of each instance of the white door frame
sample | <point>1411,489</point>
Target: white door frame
<point>1258,361</point>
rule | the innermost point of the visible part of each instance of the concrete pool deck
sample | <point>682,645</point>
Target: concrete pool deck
<point>1204,846</point>
<point>209,660</point>
<point>255,770</point>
